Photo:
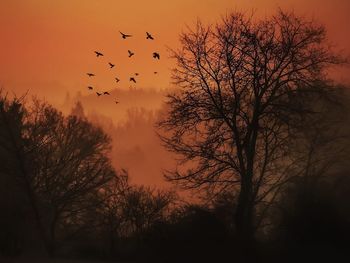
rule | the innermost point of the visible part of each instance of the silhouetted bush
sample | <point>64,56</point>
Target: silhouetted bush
<point>197,235</point>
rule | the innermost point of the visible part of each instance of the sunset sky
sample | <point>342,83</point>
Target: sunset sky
<point>47,46</point>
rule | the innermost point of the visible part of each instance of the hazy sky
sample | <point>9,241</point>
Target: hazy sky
<point>47,46</point>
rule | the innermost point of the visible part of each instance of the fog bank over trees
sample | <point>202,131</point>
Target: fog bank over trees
<point>130,123</point>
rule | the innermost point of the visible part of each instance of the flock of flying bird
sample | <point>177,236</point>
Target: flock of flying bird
<point>111,65</point>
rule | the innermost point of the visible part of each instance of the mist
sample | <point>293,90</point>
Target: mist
<point>131,125</point>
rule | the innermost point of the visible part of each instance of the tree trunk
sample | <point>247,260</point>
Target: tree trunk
<point>244,215</point>
<point>245,208</point>
<point>244,225</point>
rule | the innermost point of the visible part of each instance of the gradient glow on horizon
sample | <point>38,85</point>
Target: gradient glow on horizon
<point>47,46</point>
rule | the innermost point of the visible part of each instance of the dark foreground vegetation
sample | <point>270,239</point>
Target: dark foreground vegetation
<point>262,136</point>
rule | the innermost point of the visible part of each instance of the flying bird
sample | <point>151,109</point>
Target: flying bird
<point>130,53</point>
<point>136,74</point>
<point>124,36</point>
<point>155,72</point>
<point>116,102</point>
<point>106,93</point>
<point>132,79</point>
<point>90,88</point>
<point>98,94</point>
<point>111,65</point>
<point>149,36</point>
<point>156,55</point>
<point>90,74</point>
<point>98,54</point>
<point>117,80</point>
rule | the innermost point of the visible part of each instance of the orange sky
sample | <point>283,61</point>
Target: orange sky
<point>47,46</point>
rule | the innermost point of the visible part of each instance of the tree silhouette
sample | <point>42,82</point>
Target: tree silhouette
<point>145,206</point>
<point>110,209</point>
<point>57,161</point>
<point>71,164</point>
<point>231,119</point>
<point>17,154</point>
<point>15,197</point>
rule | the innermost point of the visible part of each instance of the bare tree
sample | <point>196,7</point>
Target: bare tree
<point>110,209</point>
<point>232,118</point>
<point>17,154</point>
<point>145,206</point>
<point>71,164</point>
<point>58,161</point>
<point>126,211</point>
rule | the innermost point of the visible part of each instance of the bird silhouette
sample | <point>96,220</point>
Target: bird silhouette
<point>111,65</point>
<point>90,74</point>
<point>90,88</point>
<point>106,93</point>
<point>132,79</point>
<point>136,74</point>
<point>156,55</point>
<point>155,72</point>
<point>130,53</point>
<point>117,80</point>
<point>116,102</point>
<point>98,94</point>
<point>149,36</point>
<point>98,54</point>
<point>124,36</point>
